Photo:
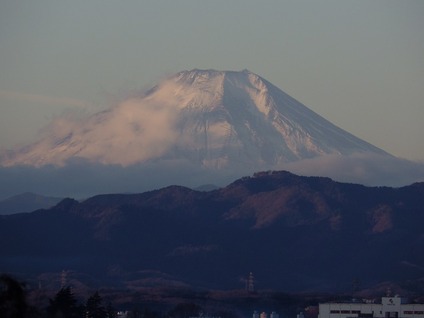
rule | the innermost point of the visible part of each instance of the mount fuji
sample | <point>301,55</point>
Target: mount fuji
<point>213,119</point>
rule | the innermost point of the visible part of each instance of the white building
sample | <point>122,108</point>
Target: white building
<point>390,307</point>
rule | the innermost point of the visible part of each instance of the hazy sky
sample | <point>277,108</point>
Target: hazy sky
<point>360,64</point>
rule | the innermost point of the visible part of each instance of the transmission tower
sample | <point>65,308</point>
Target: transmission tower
<point>250,283</point>
<point>63,279</point>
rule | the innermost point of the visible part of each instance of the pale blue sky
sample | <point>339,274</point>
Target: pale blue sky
<point>358,63</point>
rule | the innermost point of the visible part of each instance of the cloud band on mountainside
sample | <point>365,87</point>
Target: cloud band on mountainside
<point>363,168</point>
<point>124,135</point>
<point>80,179</point>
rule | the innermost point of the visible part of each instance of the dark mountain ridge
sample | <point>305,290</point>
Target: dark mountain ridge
<point>26,202</point>
<point>294,233</point>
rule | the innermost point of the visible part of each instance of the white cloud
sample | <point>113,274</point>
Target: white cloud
<point>133,131</point>
<point>367,169</point>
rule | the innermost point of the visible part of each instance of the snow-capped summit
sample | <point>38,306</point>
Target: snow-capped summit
<point>211,118</point>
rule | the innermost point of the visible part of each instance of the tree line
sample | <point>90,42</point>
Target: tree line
<point>13,303</point>
<point>64,304</point>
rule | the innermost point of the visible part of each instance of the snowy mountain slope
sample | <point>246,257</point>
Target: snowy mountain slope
<point>211,118</point>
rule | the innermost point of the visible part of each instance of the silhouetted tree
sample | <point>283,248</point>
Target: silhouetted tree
<point>64,305</point>
<point>110,311</point>
<point>147,313</point>
<point>135,313</point>
<point>185,310</point>
<point>94,307</point>
<point>12,298</point>
<point>225,314</point>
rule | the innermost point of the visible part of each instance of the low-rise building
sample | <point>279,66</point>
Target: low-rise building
<point>390,307</point>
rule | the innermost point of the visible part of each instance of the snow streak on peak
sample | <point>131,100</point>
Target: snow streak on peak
<point>210,118</point>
